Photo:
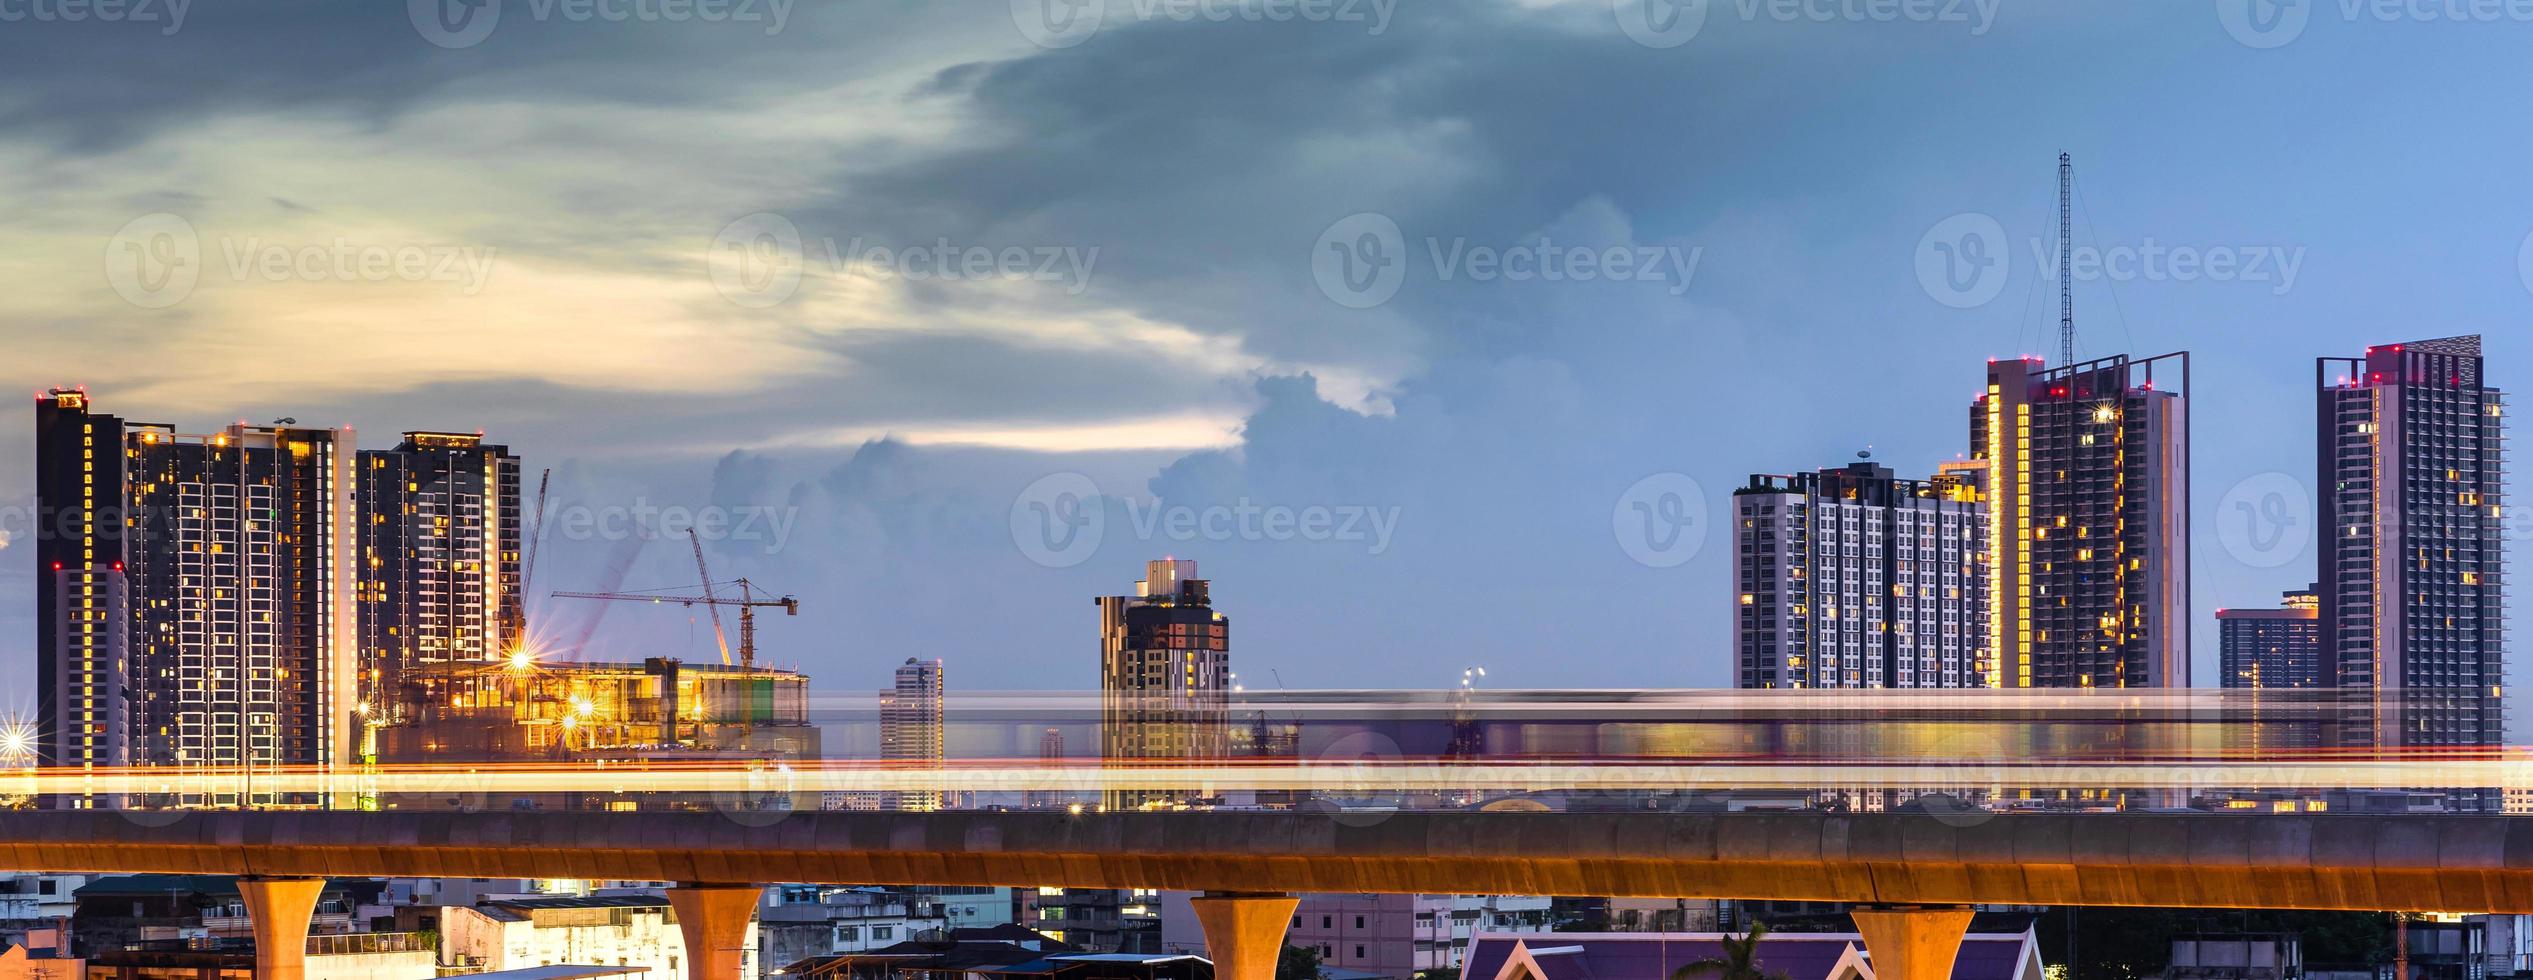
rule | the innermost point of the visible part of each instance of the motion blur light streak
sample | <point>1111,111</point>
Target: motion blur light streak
<point>988,776</point>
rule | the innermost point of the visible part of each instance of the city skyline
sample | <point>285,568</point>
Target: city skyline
<point>1809,251</point>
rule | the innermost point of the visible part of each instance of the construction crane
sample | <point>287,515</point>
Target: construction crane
<point>610,580</point>
<point>713,602</point>
<point>747,602</point>
<point>518,615</point>
<point>2066,273</point>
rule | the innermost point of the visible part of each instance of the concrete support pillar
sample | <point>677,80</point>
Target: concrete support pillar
<point>714,920</point>
<point>277,910</point>
<point>1912,942</point>
<point>1244,932</point>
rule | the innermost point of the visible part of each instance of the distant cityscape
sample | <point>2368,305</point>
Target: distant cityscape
<point>271,596</point>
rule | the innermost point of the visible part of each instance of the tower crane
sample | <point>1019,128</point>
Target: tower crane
<point>748,602</point>
<point>518,615</point>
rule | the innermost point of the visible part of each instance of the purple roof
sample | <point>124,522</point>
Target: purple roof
<point>1652,956</point>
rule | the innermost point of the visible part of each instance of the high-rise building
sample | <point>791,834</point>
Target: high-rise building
<point>2088,494</point>
<point>2412,558</point>
<point>911,729</point>
<point>439,569</point>
<point>1050,757</point>
<point>83,714</point>
<point>1852,577</point>
<point>2271,649</point>
<point>196,606</point>
<point>1164,677</point>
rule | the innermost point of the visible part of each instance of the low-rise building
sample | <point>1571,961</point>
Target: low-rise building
<point>798,922</point>
<point>1792,956</point>
<point>20,962</point>
<point>612,930</point>
<point>1385,935</point>
<point>114,913</point>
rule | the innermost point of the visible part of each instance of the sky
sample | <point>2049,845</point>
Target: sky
<point>1438,333</point>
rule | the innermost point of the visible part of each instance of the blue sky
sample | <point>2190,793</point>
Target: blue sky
<point>544,229</point>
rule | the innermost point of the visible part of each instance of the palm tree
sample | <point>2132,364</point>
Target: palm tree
<point>1739,962</point>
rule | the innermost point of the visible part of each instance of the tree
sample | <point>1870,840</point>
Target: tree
<point>1297,963</point>
<point>1739,962</point>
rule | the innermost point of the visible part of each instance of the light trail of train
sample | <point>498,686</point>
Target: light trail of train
<point>1336,779</point>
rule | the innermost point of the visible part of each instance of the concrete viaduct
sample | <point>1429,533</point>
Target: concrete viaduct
<point>1916,870</point>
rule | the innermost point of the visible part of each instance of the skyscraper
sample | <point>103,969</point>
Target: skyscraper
<point>1164,677</point>
<point>2270,649</point>
<point>2088,489</point>
<point>439,569</point>
<point>911,729</point>
<point>196,609</point>
<point>1050,757</point>
<point>83,709</point>
<point>2412,562</point>
<point>1854,578</point>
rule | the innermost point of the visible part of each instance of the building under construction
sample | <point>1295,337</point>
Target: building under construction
<point>501,711</point>
<point>658,711</point>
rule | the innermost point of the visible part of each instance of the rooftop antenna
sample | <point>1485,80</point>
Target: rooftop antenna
<point>2066,273</point>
